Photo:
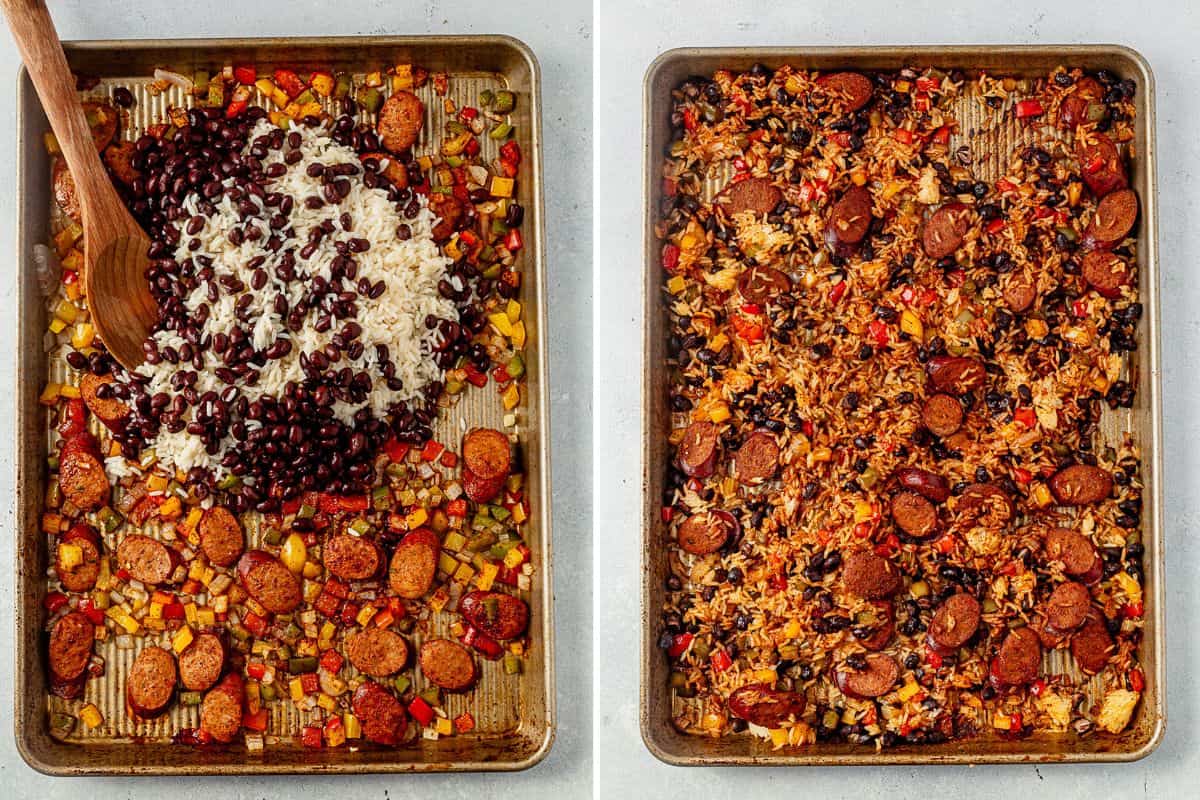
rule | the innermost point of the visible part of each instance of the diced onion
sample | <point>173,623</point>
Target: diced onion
<point>175,79</point>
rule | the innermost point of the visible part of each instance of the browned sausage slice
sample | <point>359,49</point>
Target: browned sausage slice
<point>877,679</point>
<point>698,449</point>
<point>1017,661</point>
<point>1092,645</point>
<point>499,615</point>
<point>448,664</point>
<point>705,532</point>
<point>119,160</point>
<point>1078,555</point>
<point>1099,163</point>
<point>757,459</point>
<point>1081,485</point>
<point>71,641</point>
<point>954,623</point>
<point>914,515</point>
<point>850,217</point>
<point>758,284</point>
<point>482,490</point>
<point>1114,219</point>
<point>389,167</point>
<point>853,88</point>
<point>102,119</point>
<point>487,453</point>
<point>1106,272</point>
<point>945,230</point>
<point>400,121</point>
<point>221,709</point>
<point>81,475</point>
<point>382,716</point>
<point>928,484</point>
<point>761,705</point>
<point>870,576</point>
<point>65,193</point>
<point>1067,607</point>
<point>80,577</point>
<point>1019,293</point>
<point>221,536</point>
<point>955,374</point>
<point>1073,110</point>
<point>202,662</point>
<point>750,194</point>
<point>450,214</point>
<point>942,414</point>
<point>377,652</point>
<point>352,558</point>
<point>109,410</point>
<point>151,682</point>
<point>414,564</point>
<point>269,582</point>
<point>985,504</point>
<point>145,559</point>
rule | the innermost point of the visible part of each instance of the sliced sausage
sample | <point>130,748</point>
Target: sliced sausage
<point>377,652</point>
<point>202,662</point>
<point>448,664</point>
<point>389,167</point>
<point>382,716</point>
<point>145,559</point>
<point>269,582</point>
<point>480,490</point>
<point>151,682</point>
<point>876,679</point>
<point>1114,219</point>
<point>758,284</point>
<point>706,532</point>
<point>1073,110</point>
<point>942,414</point>
<point>750,194</point>
<point>945,230</point>
<point>697,451</point>
<point>352,558</point>
<point>1081,485</point>
<point>1019,293</point>
<point>1099,163</point>
<point>853,88</point>
<point>879,633</point>
<point>81,476</point>
<point>102,119</point>
<point>221,710</point>
<point>487,453</point>
<point>757,459</point>
<point>985,504</point>
<point>1018,660</point>
<point>221,536</point>
<point>759,704</point>
<point>119,160</point>
<point>954,623</point>
<point>850,217</point>
<point>65,193</point>
<point>955,374</point>
<point>1106,272</point>
<point>82,576</point>
<point>109,410</point>
<point>1078,555</point>
<point>1049,636</point>
<point>1092,645</point>
<point>499,615</point>
<point>870,576</point>
<point>914,515</point>
<point>400,121</point>
<point>71,641</point>
<point>925,483</point>
<point>1068,605</point>
<point>414,564</point>
<point>450,212</point>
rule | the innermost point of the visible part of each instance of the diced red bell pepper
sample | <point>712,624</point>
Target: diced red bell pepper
<point>748,330</point>
<point>332,661</point>
<point>337,588</point>
<point>235,108</point>
<point>469,113</point>
<point>69,276</point>
<point>513,241</point>
<point>327,604</point>
<point>310,682</point>
<point>245,74</point>
<point>500,374</point>
<point>1004,186</point>
<point>1079,308</point>
<point>942,135</point>
<point>349,613</point>
<point>397,607</point>
<point>1094,165</point>
<point>669,187</point>
<point>879,332</point>
<point>933,659</point>
<point>840,138</point>
<point>258,720</point>
<point>1137,680</point>
<point>333,503</point>
<point>256,670</point>
<point>1134,610</point>
<point>254,623</point>
<point>902,135</point>
<point>310,736</point>
<point>54,601</point>
<point>289,82</point>
<point>488,647</point>
<point>456,508</point>
<point>420,711</point>
<point>921,101</point>
<point>751,308</point>
<point>926,84</point>
<point>89,610</point>
<point>1028,108</point>
<point>396,450</point>
<point>1037,687</point>
<point>996,225</point>
<point>510,151</point>
<point>1026,417</point>
<point>449,459</point>
<point>475,377</point>
<point>1022,475</point>
<point>464,722</point>
<point>507,575</point>
<point>432,451</point>
<point>74,418</point>
<point>1018,722</point>
<point>837,292</point>
<point>862,529</point>
<point>471,148</point>
<point>945,544</point>
<point>667,513</point>
<point>670,256</point>
<point>720,661</point>
<point>174,610</point>
<point>689,119</point>
<point>679,644</point>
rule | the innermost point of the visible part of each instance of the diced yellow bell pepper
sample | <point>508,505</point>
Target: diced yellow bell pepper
<point>296,689</point>
<point>328,630</point>
<point>266,86</point>
<point>416,518</point>
<point>511,397</point>
<point>352,726</point>
<point>487,575</point>
<point>196,570</point>
<point>792,629</point>
<point>119,616</point>
<point>312,570</point>
<point>676,284</point>
<point>193,519</point>
<point>821,454</point>
<point>66,311</point>
<point>156,610</point>
<point>322,83</point>
<point>190,613</point>
<point>182,638</point>
<point>365,614</point>
<point>863,511</point>
<point>1041,495</point>
<point>779,736</point>
<point>719,413</point>
<point>518,335</point>
<point>447,563</point>
<point>765,676</point>
<point>454,541</point>
<point>279,119</point>
<point>518,514</point>
<point>439,599</point>
<point>70,392</point>
<point>90,715</point>
<point>909,689</point>
<point>513,558</point>
<point>312,109</point>
<point>206,618</point>
<point>207,576</point>
<point>502,187</point>
<point>326,702</point>
<point>443,726</point>
<point>171,508</point>
<point>294,553</point>
<point>69,556</point>
<point>52,523</point>
<point>50,394</point>
<point>83,335</point>
<point>513,309</point>
<point>910,323</point>
<point>373,79</point>
<point>1002,722</point>
<point>464,573</point>
<point>57,325</point>
<point>501,322</point>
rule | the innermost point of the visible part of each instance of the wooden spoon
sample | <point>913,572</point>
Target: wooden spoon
<point>114,247</point>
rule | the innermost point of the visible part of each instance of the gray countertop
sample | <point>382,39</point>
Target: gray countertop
<point>560,35</point>
<point>629,34</point>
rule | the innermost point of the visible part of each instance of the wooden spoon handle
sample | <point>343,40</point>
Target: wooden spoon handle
<point>46,62</point>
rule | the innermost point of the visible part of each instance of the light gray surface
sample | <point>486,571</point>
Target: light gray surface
<point>560,35</point>
<point>628,36</point>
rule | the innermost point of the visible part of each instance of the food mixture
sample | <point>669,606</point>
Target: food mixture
<point>261,511</point>
<point>891,514</point>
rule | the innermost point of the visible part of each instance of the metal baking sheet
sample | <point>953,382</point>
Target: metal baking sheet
<point>515,717</point>
<point>1144,420</point>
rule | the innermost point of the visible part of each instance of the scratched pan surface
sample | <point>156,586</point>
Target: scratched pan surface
<point>515,714</point>
<point>991,144</point>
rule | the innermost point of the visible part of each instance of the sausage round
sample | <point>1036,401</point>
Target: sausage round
<point>850,217</point>
<point>450,213</point>
<point>697,451</point>
<point>414,564</point>
<point>70,650</point>
<point>447,664</point>
<point>1019,293</point>
<point>761,705</point>
<point>480,490</point>
<point>82,576</point>
<point>1074,107</point>
<point>914,515</point>
<point>954,623</point>
<point>758,284</point>
<point>119,159</point>
<point>1017,661</point>
<point>945,230</point>
<point>705,532</point>
<point>870,576</point>
<point>269,582</point>
<point>65,193</point>
<point>109,410</point>
<point>202,662</point>
<point>882,629</point>
<point>221,536</point>
<point>1092,644</point>
<point>757,459</point>
<point>377,652</point>
<point>1099,163</point>
<point>1078,555</point>
<point>1067,607</point>
<point>382,716</point>
<point>81,475</point>
<point>942,414</point>
<point>145,559</point>
<point>501,616</point>
<point>352,558</point>
<point>750,194</point>
<point>102,119</point>
<point>151,682</point>
<point>487,453</point>
<point>1106,272</point>
<point>877,679</point>
<point>1114,219</point>
<point>985,504</point>
<point>955,374</point>
<point>400,121</point>
<point>389,167</point>
<point>929,485</point>
<point>853,88</point>
<point>221,709</point>
<point>1081,485</point>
